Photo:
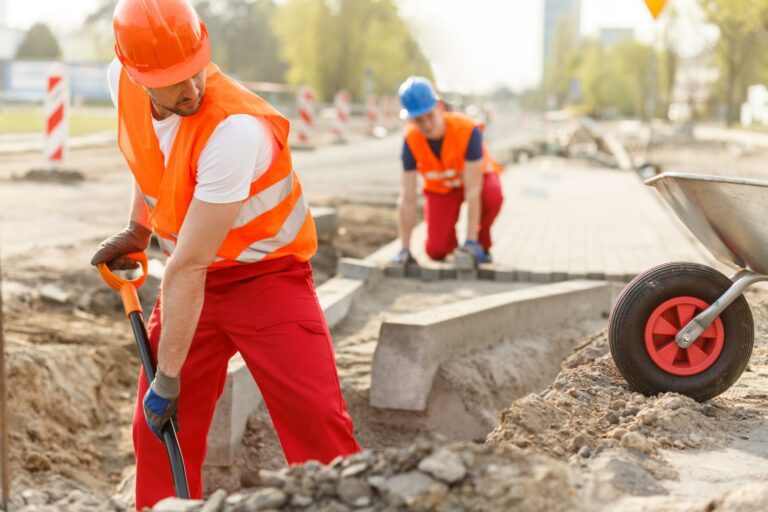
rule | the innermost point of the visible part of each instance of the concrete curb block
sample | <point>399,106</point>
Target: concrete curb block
<point>336,296</point>
<point>411,348</point>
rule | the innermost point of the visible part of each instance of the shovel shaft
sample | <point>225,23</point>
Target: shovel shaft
<point>170,438</point>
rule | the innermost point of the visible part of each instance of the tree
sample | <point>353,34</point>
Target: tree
<point>740,47</point>
<point>39,44</point>
<point>330,45</point>
<point>242,39</point>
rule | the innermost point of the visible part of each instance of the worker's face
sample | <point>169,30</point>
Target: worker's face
<point>430,124</point>
<point>184,98</point>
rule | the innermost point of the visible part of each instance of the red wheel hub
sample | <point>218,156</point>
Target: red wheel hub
<point>666,321</point>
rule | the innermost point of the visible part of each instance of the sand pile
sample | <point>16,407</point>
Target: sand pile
<point>590,407</point>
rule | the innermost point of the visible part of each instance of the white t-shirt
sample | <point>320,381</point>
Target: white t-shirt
<point>239,151</point>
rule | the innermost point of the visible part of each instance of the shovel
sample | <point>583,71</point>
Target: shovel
<point>127,290</point>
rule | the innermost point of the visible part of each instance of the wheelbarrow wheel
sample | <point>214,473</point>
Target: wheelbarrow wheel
<point>653,308</point>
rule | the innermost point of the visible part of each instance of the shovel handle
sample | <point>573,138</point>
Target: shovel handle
<point>127,287</point>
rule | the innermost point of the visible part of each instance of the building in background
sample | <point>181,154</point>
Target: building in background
<point>612,36</point>
<point>554,12</point>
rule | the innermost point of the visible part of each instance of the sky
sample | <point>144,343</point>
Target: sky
<point>474,46</point>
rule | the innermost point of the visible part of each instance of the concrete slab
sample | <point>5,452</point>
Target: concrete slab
<point>362,270</point>
<point>336,296</point>
<point>240,398</point>
<point>411,348</point>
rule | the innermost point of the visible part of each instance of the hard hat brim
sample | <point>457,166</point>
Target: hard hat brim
<point>176,74</point>
<point>410,114</point>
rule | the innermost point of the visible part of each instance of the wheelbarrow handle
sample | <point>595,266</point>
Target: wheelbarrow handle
<point>127,287</point>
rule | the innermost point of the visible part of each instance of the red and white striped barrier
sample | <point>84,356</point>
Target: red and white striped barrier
<point>306,107</point>
<point>342,104</point>
<point>56,120</point>
<point>391,112</point>
<point>372,115</point>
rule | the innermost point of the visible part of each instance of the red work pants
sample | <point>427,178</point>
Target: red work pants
<point>441,213</point>
<point>269,312</point>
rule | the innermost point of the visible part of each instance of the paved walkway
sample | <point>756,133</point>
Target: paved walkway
<point>561,221</point>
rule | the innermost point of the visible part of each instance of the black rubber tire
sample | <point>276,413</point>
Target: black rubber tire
<point>636,303</point>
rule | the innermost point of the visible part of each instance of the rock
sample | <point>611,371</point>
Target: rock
<point>670,402</point>
<point>405,487</point>
<point>327,475</point>
<point>177,505</point>
<point>266,498</point>
<point>354,470</point>
<point>272,478</point>
<point>35,497</point>
<point>36,461</point>
<point>300,500</point>
<point>625,475</point>
<point>585,452</point>
<point>354,492</point>
<point>636,441</point>
<point>444,465</point>
<point>53,294</point>
<point>377,482</point>
<point>617,405</point>
<point>215,501</point>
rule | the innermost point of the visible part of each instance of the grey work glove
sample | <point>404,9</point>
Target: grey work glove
<point>160,402</point>
<point>134,238</point>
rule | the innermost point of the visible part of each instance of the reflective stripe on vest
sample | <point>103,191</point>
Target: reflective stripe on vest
<point>261,248</point>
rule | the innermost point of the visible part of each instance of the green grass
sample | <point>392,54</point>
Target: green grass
<point>80,122</point>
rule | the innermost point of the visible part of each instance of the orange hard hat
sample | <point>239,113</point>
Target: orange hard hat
<point>160,42</point>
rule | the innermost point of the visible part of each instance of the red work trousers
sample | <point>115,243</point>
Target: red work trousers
<point>269,312</point>
<point>441,213</point>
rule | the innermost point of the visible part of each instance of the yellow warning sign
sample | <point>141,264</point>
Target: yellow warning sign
<point>655,6</point>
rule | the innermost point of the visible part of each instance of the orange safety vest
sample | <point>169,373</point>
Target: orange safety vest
<point>274,221</point>
<point>444,174</point>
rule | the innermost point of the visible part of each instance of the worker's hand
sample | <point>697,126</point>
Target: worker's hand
<point>404,257</point>
<point>475,249</point>
<point>160,402</point>
<point>134,238</point>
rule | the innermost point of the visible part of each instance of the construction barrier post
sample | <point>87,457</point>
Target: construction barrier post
<point>306,108</point>
<point>342,103</point>
<point>56,121</point>
<point>373,115</point>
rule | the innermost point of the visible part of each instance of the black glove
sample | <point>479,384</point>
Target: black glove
<point>134,238</point>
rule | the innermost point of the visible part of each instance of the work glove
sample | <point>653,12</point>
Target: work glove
<point>475,249</point>
<point>134,238</point>
<point>404,257</point>
<point>160,402</point>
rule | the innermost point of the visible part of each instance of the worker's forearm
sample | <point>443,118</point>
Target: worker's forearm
<point>407,211</point>
<point>472,195</point>
<point>181,297</point>
<point>139,210</point>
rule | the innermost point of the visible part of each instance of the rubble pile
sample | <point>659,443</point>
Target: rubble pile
<point>428,475</point>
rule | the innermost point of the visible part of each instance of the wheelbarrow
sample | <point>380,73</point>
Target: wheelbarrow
<point>686,327</point>
<point>128,293</point>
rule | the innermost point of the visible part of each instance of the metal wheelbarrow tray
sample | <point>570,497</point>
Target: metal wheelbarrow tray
<point>686,327</point>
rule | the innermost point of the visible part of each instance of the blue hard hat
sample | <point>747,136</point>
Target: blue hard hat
<point>417,96</point>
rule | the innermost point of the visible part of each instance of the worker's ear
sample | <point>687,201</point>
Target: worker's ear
<point>440,106</point>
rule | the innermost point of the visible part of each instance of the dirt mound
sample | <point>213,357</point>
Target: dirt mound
<point>590,407</point>
<point>428,475</point>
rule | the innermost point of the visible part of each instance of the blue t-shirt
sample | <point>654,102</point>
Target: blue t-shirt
<point>474,150</point>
